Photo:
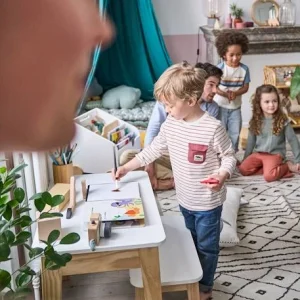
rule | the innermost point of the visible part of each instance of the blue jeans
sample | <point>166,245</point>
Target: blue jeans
<point>205,227</point>
<point>232,121</point>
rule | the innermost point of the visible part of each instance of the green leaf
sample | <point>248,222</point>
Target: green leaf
<point>4,225</point>
<point>8,213</point>
<point>23,221</point>
<point>4,248</point>
<point>3,170</point>
<point>35,252</point>
<point>5,279</point>
<point>27,270</point>
<point>295,84</point>
<point>57,259</point>
<point>1,186</point>
<point>45,215</point>
<point>16,169</point>
<point>49,250</point>
<point>10,237</point>
<point>39,204</point>
<point>4,199</point>
<point>13,203</point>
<point>2,209</point>
<point>70,238</point>
<point>67,257</point>
<point>47,198</point>
<point>23,236</point>
<point>53,236</point>
<point>21,210</point>
<point>19,194</point>
<point>23,279</point>
<point>36,196</point>
<point>57,199</point>
<point>8,184</point>
<point>50,265</point>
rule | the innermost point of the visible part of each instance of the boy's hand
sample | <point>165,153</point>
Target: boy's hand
<point>121,172</point>
<point>231,95</point>
<point>221,177</point>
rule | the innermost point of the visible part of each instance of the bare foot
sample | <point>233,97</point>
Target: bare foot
<point>294,168</point>
<point>205,296</point>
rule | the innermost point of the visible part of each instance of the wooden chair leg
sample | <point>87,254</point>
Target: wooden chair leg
<point>139,294</point>
<point>193,291</point>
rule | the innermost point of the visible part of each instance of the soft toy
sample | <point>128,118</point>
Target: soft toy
<point>121,97</point>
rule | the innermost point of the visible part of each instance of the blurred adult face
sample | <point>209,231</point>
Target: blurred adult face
<point>210,88</point>
<point>45,54</point>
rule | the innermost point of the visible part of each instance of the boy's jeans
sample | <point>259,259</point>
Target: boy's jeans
<point>232,121</point>
<point>205,227</point>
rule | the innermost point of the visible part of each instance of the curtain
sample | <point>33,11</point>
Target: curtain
<point>138,55</point>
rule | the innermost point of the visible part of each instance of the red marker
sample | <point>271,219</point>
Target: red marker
<point>210,181</point>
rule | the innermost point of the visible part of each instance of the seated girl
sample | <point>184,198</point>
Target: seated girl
<point>268,132</point>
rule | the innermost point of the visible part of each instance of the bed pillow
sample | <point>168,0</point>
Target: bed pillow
<point>229,237</point>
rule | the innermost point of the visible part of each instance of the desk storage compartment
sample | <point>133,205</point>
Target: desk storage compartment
<point>95,153</point>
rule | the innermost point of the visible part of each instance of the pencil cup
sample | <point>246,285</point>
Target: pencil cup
<point>62,173</point>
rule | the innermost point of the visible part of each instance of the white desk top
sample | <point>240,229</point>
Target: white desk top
<point>151,235</point>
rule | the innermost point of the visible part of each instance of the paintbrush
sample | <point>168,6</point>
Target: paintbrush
<point>115,169</point>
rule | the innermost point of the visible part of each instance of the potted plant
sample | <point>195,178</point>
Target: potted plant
<point>14,213</point>
<point>237,13</point>
<point>295,84</point>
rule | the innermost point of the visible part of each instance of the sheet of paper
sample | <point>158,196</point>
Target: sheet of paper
<point>128,209</point>
<point>100,192</point>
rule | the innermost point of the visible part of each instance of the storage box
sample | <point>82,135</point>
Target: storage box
<point>95,152</point>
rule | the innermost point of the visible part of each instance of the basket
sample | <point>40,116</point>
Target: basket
<point>275,75</point>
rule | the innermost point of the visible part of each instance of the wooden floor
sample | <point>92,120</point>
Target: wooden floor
<point>105,286</point>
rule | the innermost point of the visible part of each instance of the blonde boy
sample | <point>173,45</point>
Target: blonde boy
<point>199,149</point>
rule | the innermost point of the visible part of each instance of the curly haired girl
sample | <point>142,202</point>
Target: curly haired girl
<point>268,131</point>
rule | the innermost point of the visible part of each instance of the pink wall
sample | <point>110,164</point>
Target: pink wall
<point>184,47</point>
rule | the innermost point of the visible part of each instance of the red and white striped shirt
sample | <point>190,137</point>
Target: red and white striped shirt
<point>197,150</point>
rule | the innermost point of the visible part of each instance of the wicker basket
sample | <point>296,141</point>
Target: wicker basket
<point>274,75</point>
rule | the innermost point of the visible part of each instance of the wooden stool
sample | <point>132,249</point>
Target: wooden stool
<point>180,267</point>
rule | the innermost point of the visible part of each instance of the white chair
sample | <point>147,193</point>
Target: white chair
<point>180,267</point>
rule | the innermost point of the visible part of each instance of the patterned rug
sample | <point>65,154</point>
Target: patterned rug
<point>266,263</point>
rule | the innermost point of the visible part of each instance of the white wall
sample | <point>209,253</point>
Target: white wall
<point>177,17</point>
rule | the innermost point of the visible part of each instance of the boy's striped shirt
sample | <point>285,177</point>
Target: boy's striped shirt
<point>186,143</point>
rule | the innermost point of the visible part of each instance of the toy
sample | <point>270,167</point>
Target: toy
<point>210,181</point>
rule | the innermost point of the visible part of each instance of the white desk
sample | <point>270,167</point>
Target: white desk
<point>127,248</point>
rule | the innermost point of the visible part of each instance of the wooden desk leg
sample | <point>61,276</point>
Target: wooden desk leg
<point>51,284</point>
<point>193,291</point>
<point>149,258</point>
<point>139,294</point>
